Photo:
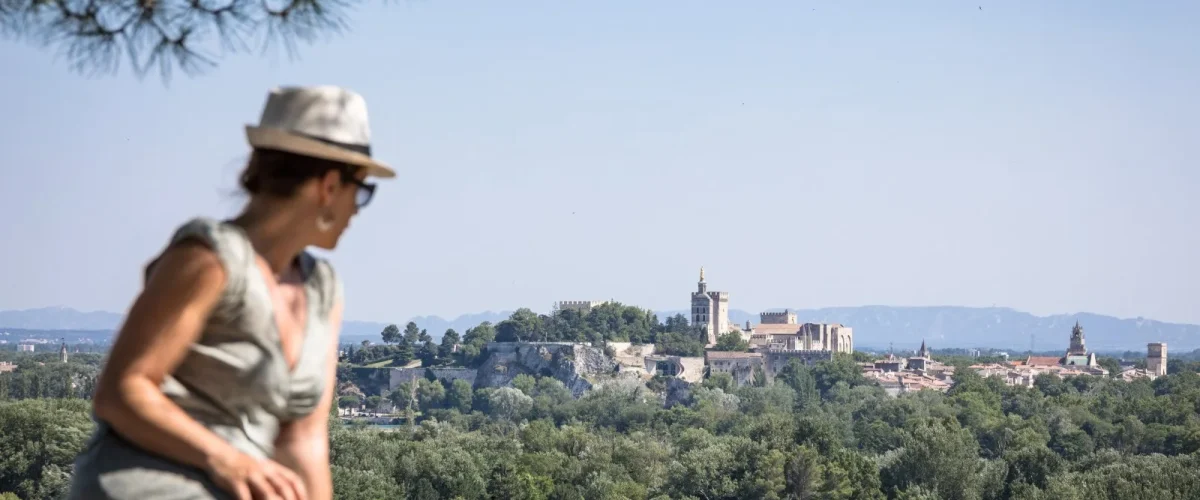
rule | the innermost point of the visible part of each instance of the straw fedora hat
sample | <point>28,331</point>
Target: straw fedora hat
<point>324,122</point>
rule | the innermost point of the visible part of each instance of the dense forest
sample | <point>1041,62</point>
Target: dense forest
<point>43,375</point>
<point>820,432</point>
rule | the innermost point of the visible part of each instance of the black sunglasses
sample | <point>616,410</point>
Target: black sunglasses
<point>366,191</point>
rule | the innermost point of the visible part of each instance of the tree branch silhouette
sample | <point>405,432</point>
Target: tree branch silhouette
<point>189,35</point>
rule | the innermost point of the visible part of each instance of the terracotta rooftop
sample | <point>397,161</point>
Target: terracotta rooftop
<point>1042,361</point>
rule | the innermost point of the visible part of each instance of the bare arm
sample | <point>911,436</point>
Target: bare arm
<point>303,445</point>
<point>166,318</point>
<point>183,288</point>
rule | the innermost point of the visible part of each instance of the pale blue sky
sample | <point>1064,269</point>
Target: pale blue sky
<point>1038,155</point>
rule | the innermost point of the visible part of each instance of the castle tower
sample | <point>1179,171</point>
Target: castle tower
<point>710,311</point>
<point>1156,358</point>
<point>1077,347</point>
<point>787,317</point>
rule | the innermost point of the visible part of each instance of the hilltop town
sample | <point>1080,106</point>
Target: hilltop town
<point>690,351</point>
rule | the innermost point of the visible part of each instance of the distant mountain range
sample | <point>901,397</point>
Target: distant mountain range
<point>954,326</point>
<point>72,320</point>
<point>59,318</point>
<point>874,326</point>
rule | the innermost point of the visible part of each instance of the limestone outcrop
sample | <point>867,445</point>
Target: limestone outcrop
<point>575,365</point>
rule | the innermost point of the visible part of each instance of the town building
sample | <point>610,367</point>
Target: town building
<point>1156,358</point>
<point>686,368</point>
<point>922,361</point>
<point>740,365</point>
<point>919,372</point>
<point>643,361</point>
<point>1022,374</point>
<point>1076,361</point>
<point>781,331</point>
<point>745,366</point>
<point>890,364</point>
<point>1156,363</point>
<point>710,311</point>
<point>785,317</point>
<point>1077,355</point>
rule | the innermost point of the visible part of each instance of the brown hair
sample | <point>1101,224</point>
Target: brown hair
<point>280,173</point>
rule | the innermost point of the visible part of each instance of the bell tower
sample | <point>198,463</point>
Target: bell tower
<point>701,304</point>
<point>710,311</point>
<point>1077,348</point>
<point>1156,358</point>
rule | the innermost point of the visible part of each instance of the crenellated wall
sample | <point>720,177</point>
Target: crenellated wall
<point>784,317</point>
<point>578,305</point>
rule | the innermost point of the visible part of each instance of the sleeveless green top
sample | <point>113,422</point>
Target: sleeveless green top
<point>234,378</point>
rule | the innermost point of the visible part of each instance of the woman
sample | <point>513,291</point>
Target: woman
<point>220,382</point>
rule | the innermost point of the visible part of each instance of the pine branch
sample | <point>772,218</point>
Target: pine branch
<point>186,35</point>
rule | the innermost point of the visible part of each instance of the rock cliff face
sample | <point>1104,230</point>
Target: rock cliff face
<point>678,392</point>
<point>576,366</point>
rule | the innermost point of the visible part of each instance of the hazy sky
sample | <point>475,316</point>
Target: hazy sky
<point>1037,155</point>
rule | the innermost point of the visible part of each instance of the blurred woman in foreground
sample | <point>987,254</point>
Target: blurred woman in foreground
<point>220,382</point>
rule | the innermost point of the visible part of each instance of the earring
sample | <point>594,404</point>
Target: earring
<point>325,221</point>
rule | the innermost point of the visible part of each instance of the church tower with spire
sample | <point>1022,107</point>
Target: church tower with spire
<point>1077,347</point>
<point>921,361</point>
<point>710,311</point>
<point>62,351</point>
<point>1077,353</point>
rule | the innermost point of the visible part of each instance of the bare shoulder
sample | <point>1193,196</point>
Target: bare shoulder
<point>189,262</point>
<point>189,270</point>
<point>184,285</point>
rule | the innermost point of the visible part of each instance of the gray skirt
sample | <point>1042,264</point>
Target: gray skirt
<point>112,468</point>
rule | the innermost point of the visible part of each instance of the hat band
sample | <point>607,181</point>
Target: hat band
<point>363,149</point>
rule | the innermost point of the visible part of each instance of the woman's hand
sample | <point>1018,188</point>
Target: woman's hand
<point>250,478</point>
